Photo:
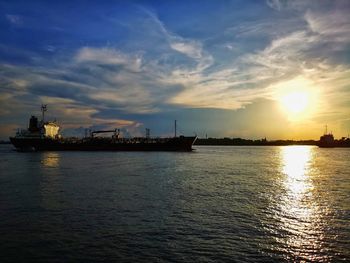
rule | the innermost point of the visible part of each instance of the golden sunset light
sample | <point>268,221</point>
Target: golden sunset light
<point>175,131</point>
<point>295,102</point>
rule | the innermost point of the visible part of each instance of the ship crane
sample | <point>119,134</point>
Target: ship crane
<point>115,131</point>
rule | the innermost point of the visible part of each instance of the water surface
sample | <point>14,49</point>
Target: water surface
<point>238,204</point>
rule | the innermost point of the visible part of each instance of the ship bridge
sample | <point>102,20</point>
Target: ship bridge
<point>51,129</point>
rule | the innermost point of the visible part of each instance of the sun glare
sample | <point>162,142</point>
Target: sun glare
<point>298,98</point>
<point>295,102</point>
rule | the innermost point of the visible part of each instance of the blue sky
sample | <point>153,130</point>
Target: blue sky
<point>218,67</point>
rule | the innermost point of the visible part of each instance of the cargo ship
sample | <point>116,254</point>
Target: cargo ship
<point>45,136</point>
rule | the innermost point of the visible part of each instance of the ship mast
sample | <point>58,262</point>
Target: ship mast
<point>175,128</point>
<point>43,109</point>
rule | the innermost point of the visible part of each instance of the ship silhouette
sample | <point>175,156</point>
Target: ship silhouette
<point>327,141</point>
<point>45,136</point>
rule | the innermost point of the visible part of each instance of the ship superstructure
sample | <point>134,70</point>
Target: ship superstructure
<point>40,129</point>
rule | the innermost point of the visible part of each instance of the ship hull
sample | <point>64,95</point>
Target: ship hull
<point>334,145</point>
<point>328,141</point>
<point>181,143</point>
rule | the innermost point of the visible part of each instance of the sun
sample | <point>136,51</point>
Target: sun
<point>298,99</point>
<point>295,102</point>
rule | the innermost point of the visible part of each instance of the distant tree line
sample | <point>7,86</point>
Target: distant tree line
<point>261,142</point>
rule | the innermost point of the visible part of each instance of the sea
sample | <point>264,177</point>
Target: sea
<point>215,204</point>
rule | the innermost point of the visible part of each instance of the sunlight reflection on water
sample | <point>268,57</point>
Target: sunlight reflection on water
<point>296,162</point>
<point>218,204</point>
<point>50,159</point>
<point>298,213</point>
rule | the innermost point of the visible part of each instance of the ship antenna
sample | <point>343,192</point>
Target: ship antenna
<point>175,128</point>
<point>43,109</point>
<point>326,129</point>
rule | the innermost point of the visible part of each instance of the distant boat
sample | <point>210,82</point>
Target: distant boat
<point>327,141</point>
<point>44,136</point>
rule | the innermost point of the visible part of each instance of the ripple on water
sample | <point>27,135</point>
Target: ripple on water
<point>240,204</point>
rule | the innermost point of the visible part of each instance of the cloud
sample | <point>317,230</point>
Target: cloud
<point>150,64</point>
<point>133,83</point>
<point>14,19</point>
<point>189,47</point>
<point>235,86</point>
<point>275,4</point>
<point>295,5</point>
<point>194,50</point>
<point>108,56</point>
<point>333,26</point>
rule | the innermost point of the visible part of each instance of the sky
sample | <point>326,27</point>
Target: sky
<point>220,68</point>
